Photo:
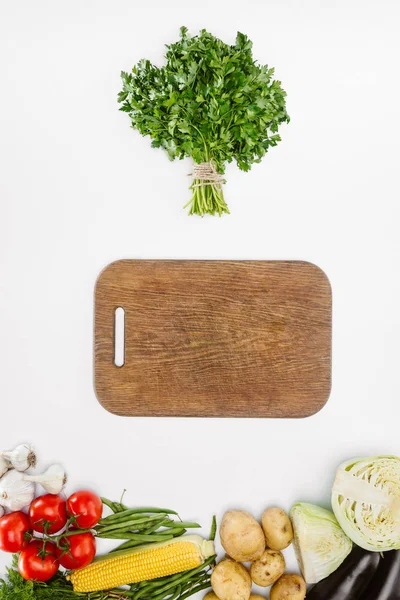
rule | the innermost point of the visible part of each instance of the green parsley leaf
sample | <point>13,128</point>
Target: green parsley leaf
<point>211,102</point>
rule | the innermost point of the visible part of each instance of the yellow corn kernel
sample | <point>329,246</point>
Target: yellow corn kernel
<point>142,563</point>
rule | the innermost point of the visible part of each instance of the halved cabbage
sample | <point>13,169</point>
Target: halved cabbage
<point>319,543</point>
<point>366,501</point>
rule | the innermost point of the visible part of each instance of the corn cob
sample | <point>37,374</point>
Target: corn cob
<point>142,563</point>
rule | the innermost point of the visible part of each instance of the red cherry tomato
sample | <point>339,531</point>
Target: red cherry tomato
<point>48,513</point>
<point>38,561</point>
<point>12,531</point>
<point>87,507</point>
<point>76,551</point>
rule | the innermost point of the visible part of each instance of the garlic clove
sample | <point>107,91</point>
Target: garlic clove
<point>4,466</point>
<point>52,480</point>
<point>15,492</point>
<point>21,458</point>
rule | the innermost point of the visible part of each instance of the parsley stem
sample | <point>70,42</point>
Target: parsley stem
<point>206,199</point>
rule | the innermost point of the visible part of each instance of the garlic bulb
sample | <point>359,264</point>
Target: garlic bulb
<point>21,458</point>
<point>15,492</point>
<point>4,466</point>
<point>52,480</point>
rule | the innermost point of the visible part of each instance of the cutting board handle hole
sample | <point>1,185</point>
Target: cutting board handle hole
<point>119,337</point>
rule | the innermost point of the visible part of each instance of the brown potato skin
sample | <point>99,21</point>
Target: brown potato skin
<point>277,528</point>
<point>231,581</point>
<point>242,536</point>
<point>210,596</point>
<point>268,568</point>
<point>289,587</point>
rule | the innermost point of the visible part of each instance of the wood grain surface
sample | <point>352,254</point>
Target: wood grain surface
<point>214,338</point>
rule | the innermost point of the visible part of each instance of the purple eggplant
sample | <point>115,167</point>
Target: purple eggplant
<point>352,579</point>
<point>386,582</point>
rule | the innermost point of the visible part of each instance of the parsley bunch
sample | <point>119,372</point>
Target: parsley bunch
<point>211,102</point>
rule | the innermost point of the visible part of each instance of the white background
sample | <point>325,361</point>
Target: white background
<point>79,189</point>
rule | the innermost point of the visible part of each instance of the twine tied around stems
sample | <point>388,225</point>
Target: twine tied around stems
<point>207,193</point>
<point>206,174</point>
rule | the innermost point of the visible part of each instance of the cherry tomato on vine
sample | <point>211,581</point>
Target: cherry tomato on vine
<point>38,561</point>
<point>87,507</point>
<point>12,531</point>
<point>76,551</point>
<point>48,513</point>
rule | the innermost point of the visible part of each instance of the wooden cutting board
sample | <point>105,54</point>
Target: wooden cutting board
<point>214,338</point>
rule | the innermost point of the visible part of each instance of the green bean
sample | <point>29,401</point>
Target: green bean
<point>125,523</point>
<point>161,580</point>
<point>168,511</point>
<point>141,592</point>
<point>137,537</point>
<point>129,527</point>
<point>170,593</point>
<point>153,528</point>
<point>205,564</point>
<point>142,584</point>
<point>149,527</point>
<point>119,507</point>
<point>194,582</point>
<point>149,592</point>
<point>175,592</point>
<point>197,574</point>
<point>203,567</point>
<point>117,536</point>
<point>138,519</point>
<point>126,546</point>
<point>169,587</point>
<point>166,522</point>
<point>168,532</point>
<point>108,503</point>
<point>184,524</point>
<point>132,515</point>
<point>138,593</point>
<point>160,590</point>
<point>110,519</point>
<point>213,531</point>
<point>151,510</point>
<point>154,537</point>
<point>115,593</point>
<point>162,536</point>
<point>194,590</point>
<point>175,527</point>
<point>183,578</point>
<point>177,532</point>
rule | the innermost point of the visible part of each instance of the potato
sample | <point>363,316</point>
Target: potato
<point>268,568</point>
<point>289,587</point>
<point>212,596</point>
<point>277,528</point>
<point>231,581</point>
<point>241,536</point>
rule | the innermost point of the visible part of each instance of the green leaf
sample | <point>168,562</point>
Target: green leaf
<point>184,127</point>
<point>210,100</point>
